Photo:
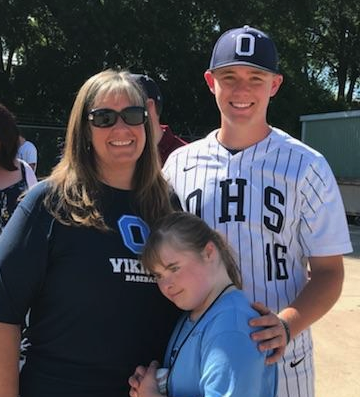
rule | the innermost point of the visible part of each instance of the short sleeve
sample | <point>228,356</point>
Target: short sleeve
<point>324,229</point>
<point>231,365</point>
<point>23,256</point>
<point>31,153</point>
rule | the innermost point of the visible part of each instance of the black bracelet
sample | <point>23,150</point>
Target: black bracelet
<point>287,330</point>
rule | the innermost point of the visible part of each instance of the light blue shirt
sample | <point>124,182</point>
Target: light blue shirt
<point>219,359</point>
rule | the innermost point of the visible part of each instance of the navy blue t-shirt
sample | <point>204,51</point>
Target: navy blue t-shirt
<point>95,313</point>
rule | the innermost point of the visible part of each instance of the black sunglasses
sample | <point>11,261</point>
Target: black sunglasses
<point>103,118</point>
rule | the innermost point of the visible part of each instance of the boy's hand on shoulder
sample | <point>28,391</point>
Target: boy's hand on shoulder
<point>273,336</point>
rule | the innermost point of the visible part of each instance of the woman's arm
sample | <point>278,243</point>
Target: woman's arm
<point>9,360</point>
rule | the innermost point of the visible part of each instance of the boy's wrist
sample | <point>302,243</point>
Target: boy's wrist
<point>287,330</point>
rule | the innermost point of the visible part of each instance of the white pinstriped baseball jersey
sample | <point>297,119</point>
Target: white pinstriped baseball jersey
<point>277,203</point>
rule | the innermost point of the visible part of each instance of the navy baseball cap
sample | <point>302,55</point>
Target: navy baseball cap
<point>245,46</point>
<point>151,90</point>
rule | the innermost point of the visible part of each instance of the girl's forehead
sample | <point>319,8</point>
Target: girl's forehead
<point>170,244</point>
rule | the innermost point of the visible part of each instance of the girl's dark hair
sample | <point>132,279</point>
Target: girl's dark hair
<point>188,232</point>
<point>9,139</point>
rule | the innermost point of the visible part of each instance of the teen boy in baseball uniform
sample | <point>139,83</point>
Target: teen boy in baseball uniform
<point>275,199</point>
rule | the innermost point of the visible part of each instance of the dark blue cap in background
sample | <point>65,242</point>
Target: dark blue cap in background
<point>151,89</point>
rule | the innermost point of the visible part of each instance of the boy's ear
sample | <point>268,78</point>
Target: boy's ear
<point>152,111</point>
<point>209,77</point>
<point>276,84</point>
<point>150,105</point>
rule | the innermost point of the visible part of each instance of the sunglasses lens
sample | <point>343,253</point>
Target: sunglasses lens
<point>133,115</point>
<point>104,118</point>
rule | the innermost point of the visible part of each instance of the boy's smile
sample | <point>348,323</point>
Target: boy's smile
<point>242,94</point>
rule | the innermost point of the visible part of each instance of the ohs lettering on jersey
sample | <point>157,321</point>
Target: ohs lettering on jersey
<point>274,202</point>
<point>271,196</point>
<point>134,232</point>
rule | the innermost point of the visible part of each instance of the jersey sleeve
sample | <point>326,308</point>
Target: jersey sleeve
<point>170,171</point>
<point>231,365</point>
<point>324,229</point>
<point>24,246</point>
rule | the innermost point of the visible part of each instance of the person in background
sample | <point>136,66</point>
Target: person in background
<point>28,152</point>
<point>70,255</point>
<point>166,140</point>
<point>210,352</point>
<point>275,200</point>
<point>16,176</point>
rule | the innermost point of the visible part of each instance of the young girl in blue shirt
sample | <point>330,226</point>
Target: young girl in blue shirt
<point>210,353</point>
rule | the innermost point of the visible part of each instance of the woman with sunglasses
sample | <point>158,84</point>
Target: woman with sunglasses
<point>71,255</point>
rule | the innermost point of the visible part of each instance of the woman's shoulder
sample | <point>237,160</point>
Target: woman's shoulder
<point>34,197</point>
<point>40,189</point>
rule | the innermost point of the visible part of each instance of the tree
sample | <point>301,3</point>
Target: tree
<point>336,39</point>
<point>14,32</point>
<point>58,44</point>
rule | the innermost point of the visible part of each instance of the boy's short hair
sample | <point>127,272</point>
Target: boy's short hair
<point>245,46</point>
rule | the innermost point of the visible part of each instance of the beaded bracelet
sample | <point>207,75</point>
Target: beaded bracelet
<point>287,330</point>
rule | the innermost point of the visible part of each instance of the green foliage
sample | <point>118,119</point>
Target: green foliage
<point>336,45</point>
<point>53,46</point>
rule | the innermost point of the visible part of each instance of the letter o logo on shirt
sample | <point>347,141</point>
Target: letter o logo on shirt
<point>130,228</point>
